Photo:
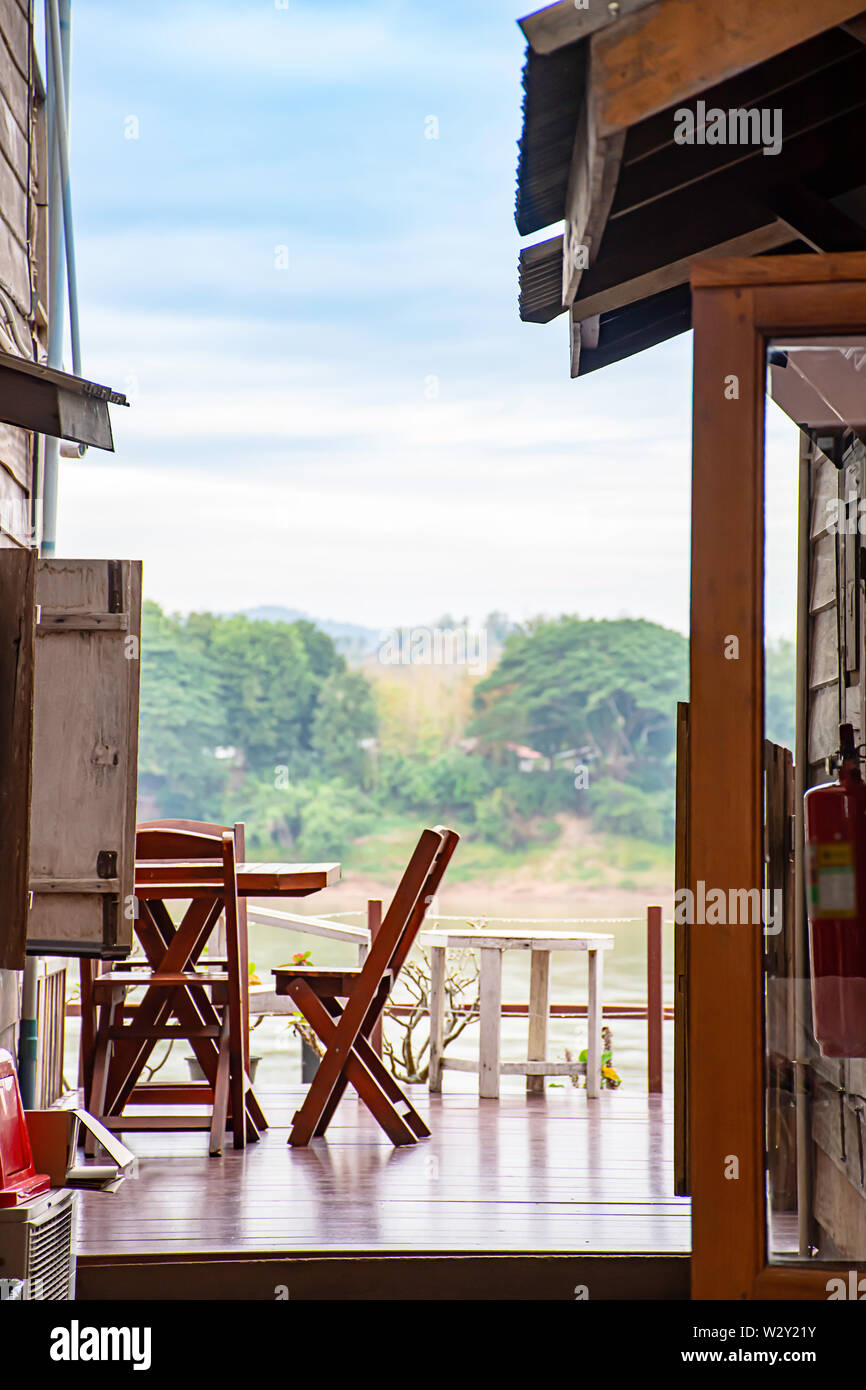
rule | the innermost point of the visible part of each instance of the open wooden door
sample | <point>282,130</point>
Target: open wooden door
<point>760,1228</point>
<point>69,666</point>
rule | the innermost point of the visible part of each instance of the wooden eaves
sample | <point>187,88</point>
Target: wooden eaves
<point>47,401</point>
<point>598,153</point>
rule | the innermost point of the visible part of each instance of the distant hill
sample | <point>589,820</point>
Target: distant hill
<point>351,639</point>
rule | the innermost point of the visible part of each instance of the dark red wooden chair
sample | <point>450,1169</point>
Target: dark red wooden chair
<point>207,1007</point>
<point>345,1030</point>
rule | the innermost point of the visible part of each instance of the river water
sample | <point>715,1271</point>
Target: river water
<point>624,981</point>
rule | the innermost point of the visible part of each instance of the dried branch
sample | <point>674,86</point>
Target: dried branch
<point>461,1008</point>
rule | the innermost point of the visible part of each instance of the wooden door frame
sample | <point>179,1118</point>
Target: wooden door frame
<point>738,305</point>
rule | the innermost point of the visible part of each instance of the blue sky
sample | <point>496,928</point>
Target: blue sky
<point>369,433</point>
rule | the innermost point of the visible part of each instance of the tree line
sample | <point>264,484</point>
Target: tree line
<point>266,722</point>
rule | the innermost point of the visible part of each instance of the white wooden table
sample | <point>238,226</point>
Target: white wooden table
<point>492,943</point>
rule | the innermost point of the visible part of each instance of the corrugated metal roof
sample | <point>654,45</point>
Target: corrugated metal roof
<point>553,89</point>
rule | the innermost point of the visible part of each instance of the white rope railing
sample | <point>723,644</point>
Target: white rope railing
<point>464,917</point>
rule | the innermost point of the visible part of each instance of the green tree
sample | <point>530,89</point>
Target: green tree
<point>180,721</point>
<point>269,687</point>
<point>334,816</point>
<point>345,714</point>
<point>779,693</point>
<point>607,687</point>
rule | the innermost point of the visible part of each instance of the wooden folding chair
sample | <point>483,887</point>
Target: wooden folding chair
<point>346,1031</point>
<point>209,1009</point>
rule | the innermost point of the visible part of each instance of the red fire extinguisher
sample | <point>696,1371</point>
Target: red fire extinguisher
<point>835,827</point>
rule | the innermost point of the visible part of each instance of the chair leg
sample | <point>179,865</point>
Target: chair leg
<point>219,1117</point>
<point>87,1043</point>
<point>101,1063</point>
<point>356,1070</point>
<point>371,1023</point>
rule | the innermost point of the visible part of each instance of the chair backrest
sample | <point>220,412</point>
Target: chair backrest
<point>185,839</point>
<point>414,893</point>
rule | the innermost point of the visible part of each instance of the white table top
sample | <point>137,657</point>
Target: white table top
<point>516,939</point>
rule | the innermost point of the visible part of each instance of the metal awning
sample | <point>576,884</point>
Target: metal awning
<point>47,401</point>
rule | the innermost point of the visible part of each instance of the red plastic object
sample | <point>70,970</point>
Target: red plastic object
<point>19,1181</point>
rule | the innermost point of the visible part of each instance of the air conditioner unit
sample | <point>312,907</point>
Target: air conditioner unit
<point>36,1246</point>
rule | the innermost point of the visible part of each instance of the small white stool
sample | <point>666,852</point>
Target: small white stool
<point>491,944</point>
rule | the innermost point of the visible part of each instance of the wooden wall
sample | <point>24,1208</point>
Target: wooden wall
<point>836,647</point>
<point>24,298</point>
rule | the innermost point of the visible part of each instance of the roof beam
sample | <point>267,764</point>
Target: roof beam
<point>806,104</point>
<point>592,180</point>
<point>648,248</point>
<point>674,49</point>
<point>632,329</point>
<point>556,25</point>
<point>816,221</point>
<point>857,27</point>
<point>768,236</point>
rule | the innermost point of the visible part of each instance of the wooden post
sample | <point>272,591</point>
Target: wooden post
<point>490,1010</point>
<point>595,971</point>
<point>374,922</point>
<point>539,1007</point>
<point>437,1016</point>
<point>655,1005</point>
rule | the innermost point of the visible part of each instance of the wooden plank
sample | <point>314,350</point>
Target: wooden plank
<point>490,1002</point>
<point>15,30</point>
<point>556,25</point>
<point>15,452</point>
<point>839,1130</point>
<point>823,724</point>
<point>327,1276</point>
<point>825,492</point>
<point>682,878</point>
<point>655,996</point>
<point>780,270</point>
<point>600,293</point>
<point>674,49</point>
<point>806,97</point>
<point>595,963</point>
<point>725,1095</point>
<point>13,202</point>
<point>823,654</point>
<point>823,568</point>
<point>539,1007</point>
<point>85,754</point>
<point>14,274</point>
<point>81,622</point>
<point>839,1209</point>
<point>516,939</point>
<point>15,524</point>
<point>310,926</point>
<point>17,587</point>
<point>156,879</point>
<point>542,1195</point>
<point>755,86</point>
<point>592,180</point>
<point>437,1016</point>
<point>13,77</point>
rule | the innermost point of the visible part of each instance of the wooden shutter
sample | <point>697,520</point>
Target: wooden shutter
<point>17,588</point>
<point>85,754</point>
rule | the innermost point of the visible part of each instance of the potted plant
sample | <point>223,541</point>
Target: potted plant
<point>312,1051</point>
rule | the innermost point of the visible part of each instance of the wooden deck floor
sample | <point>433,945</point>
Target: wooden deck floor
<point>556,1173</point>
